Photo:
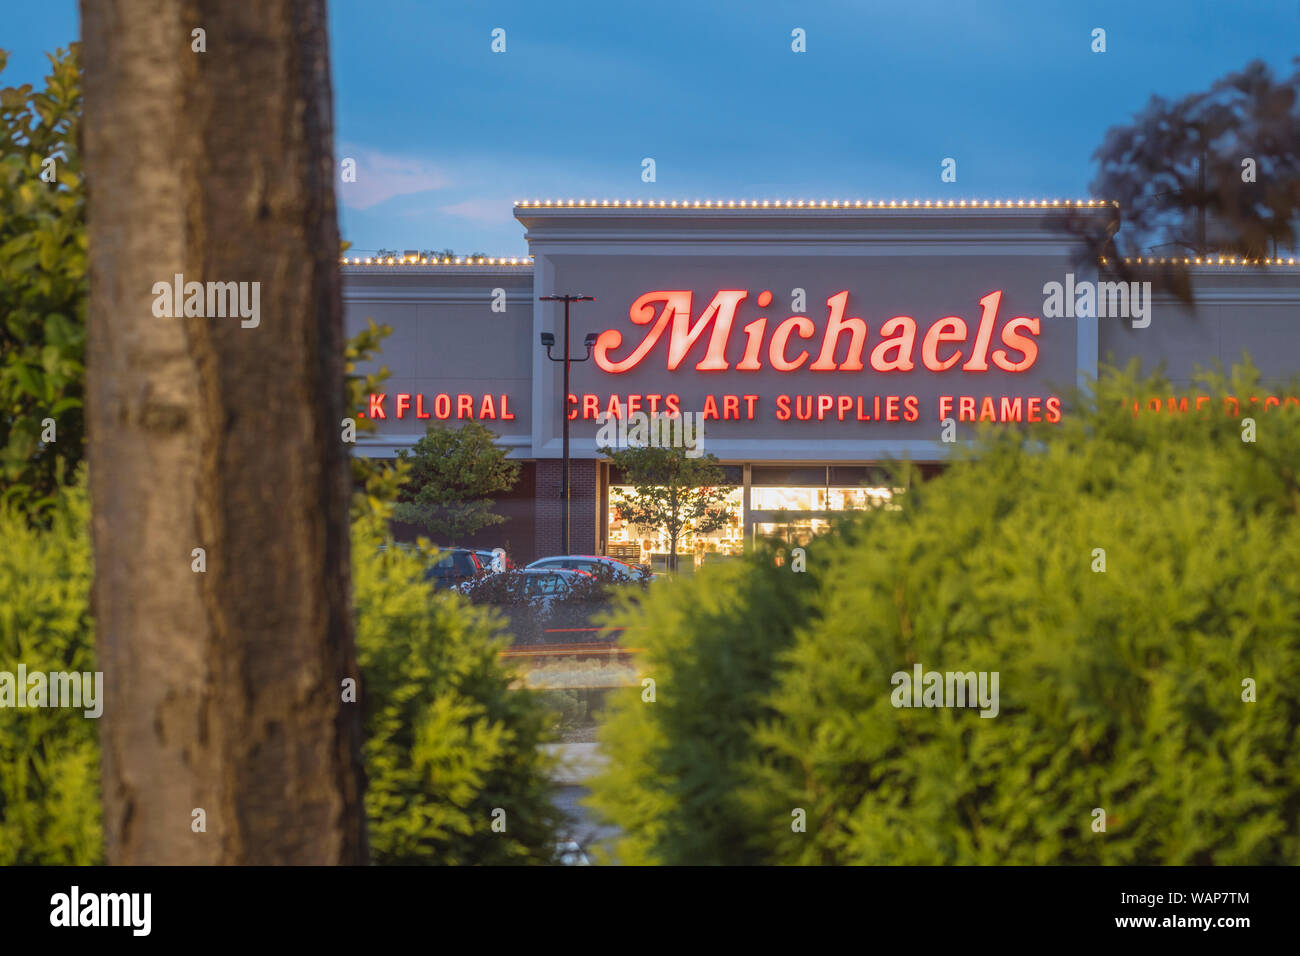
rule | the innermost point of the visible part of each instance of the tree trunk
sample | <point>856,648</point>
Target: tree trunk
<point>222,686</point>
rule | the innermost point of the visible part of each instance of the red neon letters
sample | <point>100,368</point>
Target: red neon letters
<point>895,352</point>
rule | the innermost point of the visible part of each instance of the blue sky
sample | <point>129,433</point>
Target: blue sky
<point>447,134</point>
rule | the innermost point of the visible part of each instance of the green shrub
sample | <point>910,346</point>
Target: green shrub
<point>49,756</point>
<point>710,645</point>
<point>447,743</point>
<point>1120,690</point>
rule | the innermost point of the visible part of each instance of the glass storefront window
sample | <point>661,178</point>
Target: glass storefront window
<point>819,499</point>
<point>650,546</point>
<point>787,499</point>
<point>854,499</point>
<point>792,533</point>
<point>801,512</point>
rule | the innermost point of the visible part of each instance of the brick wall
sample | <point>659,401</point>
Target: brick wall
<point>583,506</point>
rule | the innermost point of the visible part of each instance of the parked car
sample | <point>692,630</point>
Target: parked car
<point>454,565</point>
<point>536,588</point>
<point>606,568</point>
<point>569,853</point>
<point>489,561</point>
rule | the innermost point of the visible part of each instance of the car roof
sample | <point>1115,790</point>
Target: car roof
<point>581,557</point>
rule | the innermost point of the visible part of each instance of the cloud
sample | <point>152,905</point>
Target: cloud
<point>383,176</point>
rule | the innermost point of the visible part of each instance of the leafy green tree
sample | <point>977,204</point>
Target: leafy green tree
<point>672,492</point>
<point>1215,172</point>
<point>1134,580</point>
<point>453,474</point>
<point>379,480</point>
<point>43,286</point>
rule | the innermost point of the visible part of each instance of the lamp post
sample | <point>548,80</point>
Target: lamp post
<point>548,340</point>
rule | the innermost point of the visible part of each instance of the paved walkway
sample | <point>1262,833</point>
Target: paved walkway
<point>577,762</point>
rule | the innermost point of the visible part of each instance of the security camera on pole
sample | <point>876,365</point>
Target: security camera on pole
<point>548,340</point>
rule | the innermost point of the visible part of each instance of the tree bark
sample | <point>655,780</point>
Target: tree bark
<point>222,687</point>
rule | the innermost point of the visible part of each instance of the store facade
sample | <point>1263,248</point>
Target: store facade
<point>811,341</point>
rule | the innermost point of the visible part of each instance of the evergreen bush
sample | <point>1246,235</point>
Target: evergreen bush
<point>49,756</point>
<point>1125,691</point>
